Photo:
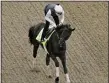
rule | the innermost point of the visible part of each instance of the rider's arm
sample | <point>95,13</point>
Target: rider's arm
<point>48,16</point>
<point>62,17</point>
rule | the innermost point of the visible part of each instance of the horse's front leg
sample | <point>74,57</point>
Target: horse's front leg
<point>48,65</point>
<point>57,68</point>
<point>35,48</point>
<point>63,60</point>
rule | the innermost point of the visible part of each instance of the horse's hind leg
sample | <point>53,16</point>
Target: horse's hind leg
<point>63,60</point>
<point>35,48</point>
<point>57,68</point>
<point>48,63</point>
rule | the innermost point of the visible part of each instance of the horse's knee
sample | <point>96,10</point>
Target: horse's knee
<point>55,61</point>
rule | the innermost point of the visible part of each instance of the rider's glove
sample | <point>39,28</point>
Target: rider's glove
<point>60,24</point>
<point>54,25</point>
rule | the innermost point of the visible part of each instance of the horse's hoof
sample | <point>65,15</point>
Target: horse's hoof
<point>57,80</point>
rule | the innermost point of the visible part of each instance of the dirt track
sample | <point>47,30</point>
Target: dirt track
<point>87,48</point>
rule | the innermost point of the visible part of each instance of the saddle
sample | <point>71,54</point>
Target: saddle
<point>49,32</point>
<point>47,37</point>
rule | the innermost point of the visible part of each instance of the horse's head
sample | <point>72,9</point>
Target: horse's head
<point>65,31</point>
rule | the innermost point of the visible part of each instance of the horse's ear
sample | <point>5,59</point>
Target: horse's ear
<point>72,29</point>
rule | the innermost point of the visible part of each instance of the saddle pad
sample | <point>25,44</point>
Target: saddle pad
<point>38,38</point>
<point>45,42</point>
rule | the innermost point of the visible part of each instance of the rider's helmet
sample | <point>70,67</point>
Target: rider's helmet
<point>58,9</point>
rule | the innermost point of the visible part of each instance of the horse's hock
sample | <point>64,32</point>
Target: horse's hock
<point>87,48</point>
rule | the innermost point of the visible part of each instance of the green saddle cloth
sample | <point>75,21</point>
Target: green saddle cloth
<point>47,37</point>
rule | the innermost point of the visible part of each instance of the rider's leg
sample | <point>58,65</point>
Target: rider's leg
<point>56,19</point>
<point>45,29</point>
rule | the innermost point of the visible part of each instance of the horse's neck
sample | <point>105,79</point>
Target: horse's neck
<point>55,38</point>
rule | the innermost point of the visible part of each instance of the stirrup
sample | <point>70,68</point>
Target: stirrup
<point>42,39</point>
<point>43,42</point>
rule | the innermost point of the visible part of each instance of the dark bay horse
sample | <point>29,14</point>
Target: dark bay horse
<point>56,46</point>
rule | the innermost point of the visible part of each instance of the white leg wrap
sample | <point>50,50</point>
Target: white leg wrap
<point>67,78</point>
<point>57,71</point>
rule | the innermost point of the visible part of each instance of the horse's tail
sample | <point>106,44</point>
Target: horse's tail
<point>31,34</point>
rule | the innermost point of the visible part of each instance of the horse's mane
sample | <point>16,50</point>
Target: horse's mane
<point>61,27</point>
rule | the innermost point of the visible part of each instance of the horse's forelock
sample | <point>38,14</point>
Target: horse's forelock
<point>63,26</point>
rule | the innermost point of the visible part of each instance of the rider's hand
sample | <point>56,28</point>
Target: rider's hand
<point>54,25</point>
<point>60,23</point>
